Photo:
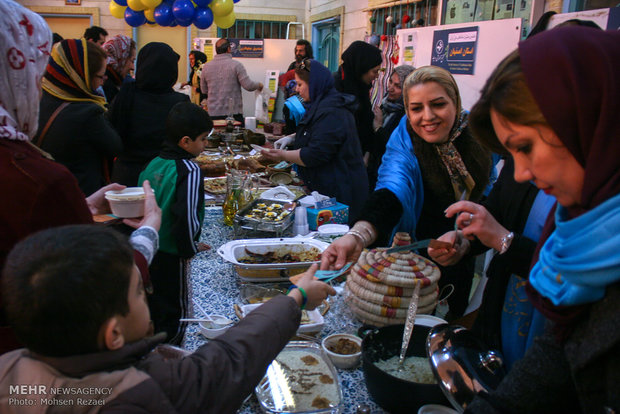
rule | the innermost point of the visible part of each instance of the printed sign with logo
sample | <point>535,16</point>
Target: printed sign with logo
<point>247,48</point>
<point>455,50</point>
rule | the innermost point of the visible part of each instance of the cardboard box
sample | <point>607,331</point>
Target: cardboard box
<point>338,214</point>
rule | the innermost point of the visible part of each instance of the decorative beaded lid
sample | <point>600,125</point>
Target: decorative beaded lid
<point>381,284</point>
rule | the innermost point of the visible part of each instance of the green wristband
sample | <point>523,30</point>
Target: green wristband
<point>304,295</point>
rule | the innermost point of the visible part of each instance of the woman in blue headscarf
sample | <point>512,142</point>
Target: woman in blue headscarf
<point>327,149</point>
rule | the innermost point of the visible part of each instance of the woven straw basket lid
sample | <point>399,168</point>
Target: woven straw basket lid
<point>382,284</point>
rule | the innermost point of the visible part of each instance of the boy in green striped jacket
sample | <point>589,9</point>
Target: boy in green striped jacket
<point>178,185</point>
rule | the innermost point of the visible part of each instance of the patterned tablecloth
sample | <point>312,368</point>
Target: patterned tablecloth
<point>216,287</point>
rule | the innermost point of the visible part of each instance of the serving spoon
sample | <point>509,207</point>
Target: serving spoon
<point>409,323</point>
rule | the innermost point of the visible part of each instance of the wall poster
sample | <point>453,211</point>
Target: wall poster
<point>455,49</point>
<point>247,48</point>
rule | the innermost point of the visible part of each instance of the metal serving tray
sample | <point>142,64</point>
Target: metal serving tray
<point>259,224</point>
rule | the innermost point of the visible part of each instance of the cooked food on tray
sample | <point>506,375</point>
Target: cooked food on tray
<point>216,185</point>
<point>268,212</point>
<point>306,378</point>
<point>281,255</point>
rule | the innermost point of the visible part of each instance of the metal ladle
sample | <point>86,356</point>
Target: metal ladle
<point>409,323</point>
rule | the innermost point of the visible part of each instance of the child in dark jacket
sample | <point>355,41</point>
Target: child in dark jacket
<point>178,185</point>
<point>74,297</point>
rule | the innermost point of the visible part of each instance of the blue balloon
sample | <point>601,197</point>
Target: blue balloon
<point>202,3</point>
<point>183,22</point>
<point>236,1</point>
<point>163,14</point>
<point>134,18</point>
<point>203,18</point>
<point>183,10</point>
<point>174,23</point>
<point>121,2</point>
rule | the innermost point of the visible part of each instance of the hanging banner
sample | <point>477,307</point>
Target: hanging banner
<point>247,48</point>
<point>455,49</point>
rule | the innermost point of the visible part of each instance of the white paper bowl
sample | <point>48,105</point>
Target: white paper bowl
<point>343,361</point>
<point>211,333</point>
<point>127,203</point>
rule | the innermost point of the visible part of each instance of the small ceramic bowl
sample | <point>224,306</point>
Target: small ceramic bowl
<point>127,203</point>
<point>336,343</point>
<point>210,332</point>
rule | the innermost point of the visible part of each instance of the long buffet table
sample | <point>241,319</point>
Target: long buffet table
<point>215,286</point>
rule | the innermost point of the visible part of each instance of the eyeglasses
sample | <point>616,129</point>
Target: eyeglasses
<point>304,64</point>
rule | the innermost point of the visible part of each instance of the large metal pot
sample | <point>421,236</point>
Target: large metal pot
<point>394,394</point>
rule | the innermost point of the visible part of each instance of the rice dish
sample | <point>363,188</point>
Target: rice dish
<point>416,369</point>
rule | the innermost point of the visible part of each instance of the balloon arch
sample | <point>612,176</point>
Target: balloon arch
<point>170,13</point>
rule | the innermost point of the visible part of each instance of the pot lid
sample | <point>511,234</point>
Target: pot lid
<point>462,364</point>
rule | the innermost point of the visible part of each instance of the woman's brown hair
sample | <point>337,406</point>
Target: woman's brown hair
<point>507,93</point>
<point>96,58</point>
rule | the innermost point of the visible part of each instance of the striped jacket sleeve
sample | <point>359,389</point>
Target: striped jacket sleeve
<point>189,197</point>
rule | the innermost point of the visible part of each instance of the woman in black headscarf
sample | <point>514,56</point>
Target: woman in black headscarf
<point>360,67</point>
<point>140,109</point>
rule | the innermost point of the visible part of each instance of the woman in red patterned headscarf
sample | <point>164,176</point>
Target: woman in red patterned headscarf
<point>121,51</point>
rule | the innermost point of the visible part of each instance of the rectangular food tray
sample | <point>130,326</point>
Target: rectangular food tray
<point>268,272</point>
<point>256,224</point>
<point>279,391</point>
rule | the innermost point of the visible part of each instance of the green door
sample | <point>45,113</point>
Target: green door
<point>327,35</point>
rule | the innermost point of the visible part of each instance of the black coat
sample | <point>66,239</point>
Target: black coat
<point>581,375</point>
<point>510,203</point>
<point>80,138</point>
<point>140,109</point>
<point>331,152</point>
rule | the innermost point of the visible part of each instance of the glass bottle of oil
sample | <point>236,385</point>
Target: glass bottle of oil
<point>234,197</point>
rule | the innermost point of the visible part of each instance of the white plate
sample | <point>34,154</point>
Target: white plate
<point>316,320</point>
<point>428,320</point>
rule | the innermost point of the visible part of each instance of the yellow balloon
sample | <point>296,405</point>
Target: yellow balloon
<point>221,8</point>
<point>117,10</point>
<point>224,22</point>
<point>148,13</point>
<point>150,4</point>
<point>135,5</point>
